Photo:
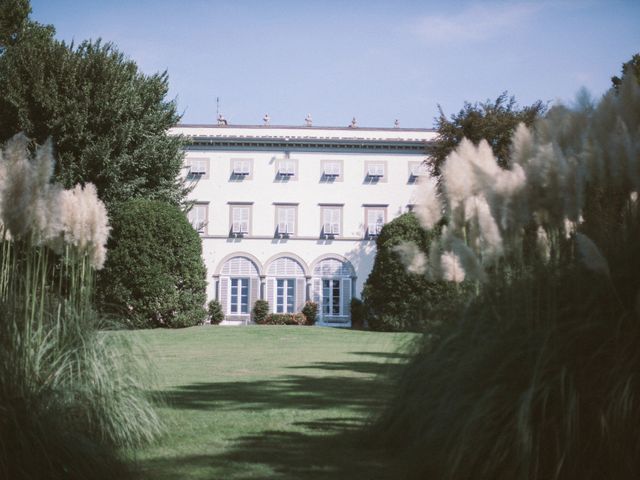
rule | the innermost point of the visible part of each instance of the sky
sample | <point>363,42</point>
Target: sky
<point>374,60</point>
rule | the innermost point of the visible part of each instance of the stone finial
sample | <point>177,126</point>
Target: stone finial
<point>354,123</point>
<point>266,119</point>
<point>396,124</point>
<point>308,121</point>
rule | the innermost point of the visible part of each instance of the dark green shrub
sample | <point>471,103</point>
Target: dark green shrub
<point>154,275</point>
<point>216,315</point>
<point>397,300</point>
<point>310,311</point>
<point>260,311</point>
<point>285,319</point>
<point>357,313</point>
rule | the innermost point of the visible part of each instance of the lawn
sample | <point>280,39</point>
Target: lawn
<point>269,402</point>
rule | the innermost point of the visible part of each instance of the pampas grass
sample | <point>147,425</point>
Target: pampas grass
<point>71,395</point>
<point>538,379</point>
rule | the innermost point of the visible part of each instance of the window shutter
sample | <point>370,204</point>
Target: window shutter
<point>271,294</point>
<point>316,295</point>
<point>301,294</point>
<point>254,292</point>
<point>224,295</point>
<point>346,297</point>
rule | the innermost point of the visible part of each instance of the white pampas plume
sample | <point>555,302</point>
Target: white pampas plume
<point>451,268</point>
<point>85,221</point>
<point>489,240</point>
<point>590,255</point>
<point>414,260</point>
<point>458,178</point>
<point>17,192</point>
<point>429,208</point>
<point>543,244</point>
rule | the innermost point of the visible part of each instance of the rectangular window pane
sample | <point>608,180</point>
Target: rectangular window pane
<point>290,296</point>
<point>336,297</point>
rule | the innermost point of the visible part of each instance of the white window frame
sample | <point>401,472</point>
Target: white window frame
<point>332,170</point>
<point>242,284</point>
<point>285,303</point>
<point>198,168</point>
<point>286,219</point>
<point>374,227</point>
<point>240,219</point>
<point>198,217</point>
<point>375,171</point>
<point>287,168</point>
<point>242,168</point>
<point>329,301</point>
<point>331,218</point>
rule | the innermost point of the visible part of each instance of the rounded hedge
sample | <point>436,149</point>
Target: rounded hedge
<point>154,275</point>
<point>396,300</point>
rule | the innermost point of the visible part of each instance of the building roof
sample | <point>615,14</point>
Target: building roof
<point>302,137</point>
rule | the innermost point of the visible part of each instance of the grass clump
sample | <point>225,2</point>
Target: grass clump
<point>538,378</point>
<point>71,396</point>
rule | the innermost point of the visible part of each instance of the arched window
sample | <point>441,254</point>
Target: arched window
<point>331,290</point>
<point>239,287</point>
<point>286,288</point>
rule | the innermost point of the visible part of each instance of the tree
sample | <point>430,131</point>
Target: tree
<point>394,298</point>
<point>494,121</point>
<point>108,121</point>
<point>13,20</point>
<point>154,275</point>
<point>631,67</point>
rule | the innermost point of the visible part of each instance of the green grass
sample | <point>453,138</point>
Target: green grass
<point>269,402</point>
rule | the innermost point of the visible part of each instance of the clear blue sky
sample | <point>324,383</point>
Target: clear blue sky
<point>376,60</point>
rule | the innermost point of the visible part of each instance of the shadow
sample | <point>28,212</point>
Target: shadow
<point>331,447</point>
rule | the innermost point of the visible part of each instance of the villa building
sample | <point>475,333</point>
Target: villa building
<point>289,214</point>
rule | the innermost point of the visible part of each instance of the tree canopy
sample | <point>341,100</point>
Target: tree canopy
<point>494,121</point>
<point>632,67</point>
<point>108,121</point>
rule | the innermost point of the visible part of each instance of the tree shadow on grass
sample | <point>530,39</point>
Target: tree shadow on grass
<point>327,448</point>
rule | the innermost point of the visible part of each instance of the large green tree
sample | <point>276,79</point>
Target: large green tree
<point>108,121</point>
<point>632,67</point>
<point>494,121</point>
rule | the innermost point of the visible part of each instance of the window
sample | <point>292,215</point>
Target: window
<point>285,295</point>
<point>287,169</point>
<point>198,168</point>
<point>375,172</point>
<point>240,219</point>
<point>239,296</point>
<point>241,168</point>
<point>417,170</point>
<point>375,218</point>
<point>331,221</point>
<point>331,297</point>
<point>285,220</point>
<point>198,217</point>
<point>331,171</point>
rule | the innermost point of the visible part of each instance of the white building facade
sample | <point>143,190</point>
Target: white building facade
<point>290,214</point>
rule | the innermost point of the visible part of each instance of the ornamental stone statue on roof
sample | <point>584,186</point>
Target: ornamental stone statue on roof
<point>266,119</point>
<point>354,123</point>
<point>222,120</point>
<point>308,121</point>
